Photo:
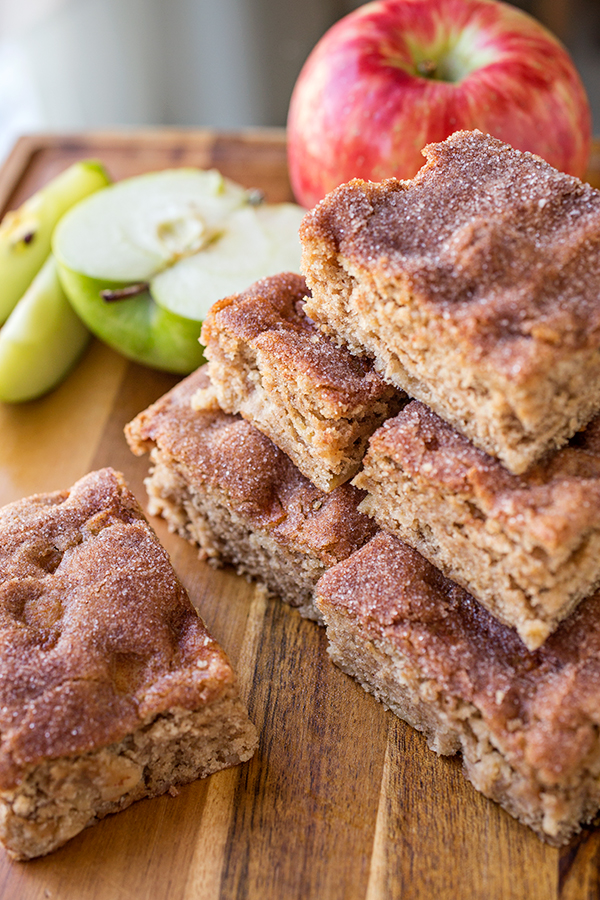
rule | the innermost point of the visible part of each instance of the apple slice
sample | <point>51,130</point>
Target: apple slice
<point>144,260</point>
<point>41,340</point>
<point>26,233</point>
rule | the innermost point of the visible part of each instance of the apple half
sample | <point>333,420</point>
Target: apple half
<point>143,260</point>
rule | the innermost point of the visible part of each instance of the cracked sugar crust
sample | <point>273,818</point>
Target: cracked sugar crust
<point>92,617</point>
<point>220,454</point>
<point>526,546</point>
<point>314,400</point>
<point>527,723</point>
<point>474,286</point>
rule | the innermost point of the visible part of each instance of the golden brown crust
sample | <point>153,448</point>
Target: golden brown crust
<point>542,708</point>
<point>497,242</point>
<point>97,635</point>
<point>226,452</point>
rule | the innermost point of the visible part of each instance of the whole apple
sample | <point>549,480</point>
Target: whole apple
<point>395,75</point>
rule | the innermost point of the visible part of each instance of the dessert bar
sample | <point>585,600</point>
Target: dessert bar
<point>110,687</point>
<point>474,287</point>
<point>526,546</point>
<point>270,363</point>
<point>223,485</point>
<point>526,723</point>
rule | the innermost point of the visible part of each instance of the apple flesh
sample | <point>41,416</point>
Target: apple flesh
<point>41,340</point>
<point>144,260</point>
<point>395,75</point>
<point>26,233</point>
<point>258,241</point>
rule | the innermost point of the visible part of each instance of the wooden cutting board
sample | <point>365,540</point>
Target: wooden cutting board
<point>342,801</point>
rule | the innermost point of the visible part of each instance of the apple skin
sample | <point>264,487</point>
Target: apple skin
<point>26,232</point>
<point>41,341</point>
<point>138,328</point>
<point>360,107</point>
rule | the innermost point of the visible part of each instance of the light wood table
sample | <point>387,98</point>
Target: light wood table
<point>342,800</point>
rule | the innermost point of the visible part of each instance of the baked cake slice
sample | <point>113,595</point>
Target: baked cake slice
<point>475,288</point>
<point>111,688</point>
<point>269,362</point>
<point>527,723</point>
<point>526,546</point>
<point>223,485</point>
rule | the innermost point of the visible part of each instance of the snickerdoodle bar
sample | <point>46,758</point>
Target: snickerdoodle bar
<point>475,288</point>
<point>316,401</point>
<point>223,485</point>
<point>111,688</point>
<point>526,546</point>
<point>527,723</point>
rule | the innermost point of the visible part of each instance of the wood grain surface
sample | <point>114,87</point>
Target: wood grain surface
<point>342,801</point>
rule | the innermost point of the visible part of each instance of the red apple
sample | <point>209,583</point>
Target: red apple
<point>395,75</point>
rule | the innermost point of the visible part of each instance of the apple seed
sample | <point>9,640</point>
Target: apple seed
<point>125,293</point>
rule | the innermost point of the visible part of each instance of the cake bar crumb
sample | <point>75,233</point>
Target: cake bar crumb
<point>111,689</point>
<point>526,723</point>
<point>224,486</point>
<point>526,546</point>
<point>474,287</point>
<point>316,401</point>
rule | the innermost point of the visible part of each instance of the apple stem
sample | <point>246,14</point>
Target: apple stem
<point>125,293</point>
<point>427,68</point>
<point>256,197</point>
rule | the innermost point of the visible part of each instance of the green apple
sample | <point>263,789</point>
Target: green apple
<point>26,233</point>
<point>41,340</point>
<point>143,260</point>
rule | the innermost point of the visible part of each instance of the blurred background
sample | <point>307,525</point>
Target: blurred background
<point>68,65</point>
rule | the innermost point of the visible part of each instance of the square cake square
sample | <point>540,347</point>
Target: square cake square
<point>223,485</point>
<point>475,288</point>
<point>111,689</point>
<point>317,402</point>
<point>526,546</point>
<point>527,723</point>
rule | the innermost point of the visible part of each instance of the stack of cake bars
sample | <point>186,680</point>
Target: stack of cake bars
<point>452,324</point>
